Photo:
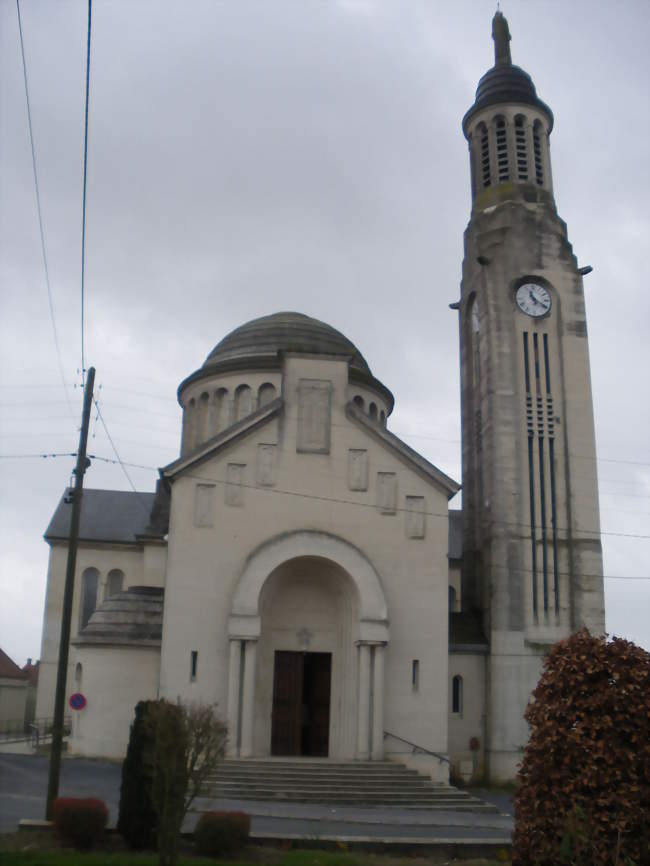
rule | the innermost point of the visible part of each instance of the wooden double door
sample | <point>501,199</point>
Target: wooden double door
<point>301,703</point>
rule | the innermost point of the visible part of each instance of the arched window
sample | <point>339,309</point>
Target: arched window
<point>243,402</point>
<point>382,418</point>
<point>221,408</point>
<point>485,154</point>
<point>522,150</point>
<point>372,411</point>
<point>457,695</point>
<point>537,151</point>
<point>358,401</point>
<point>503,169</point>
<point>114,582</point>
<point>78,674</point>
<point>452,599</point>
<point>189,426</point>
<point>266,394</point>
<point>202,426</point>
<point>89,584</point>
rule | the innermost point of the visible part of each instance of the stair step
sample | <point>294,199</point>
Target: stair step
<point>343,783</point>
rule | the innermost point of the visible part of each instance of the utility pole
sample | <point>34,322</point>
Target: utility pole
<point>64,644</point>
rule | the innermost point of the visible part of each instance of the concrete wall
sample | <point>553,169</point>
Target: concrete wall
<point>470,721</point>
<point>13,698</point>
<point>113,679</point>
<point>141,567</point>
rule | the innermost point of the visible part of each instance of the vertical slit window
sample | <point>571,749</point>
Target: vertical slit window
<point>485,155</point>
<point>550,418</point>
<point>415,675</point>
<point>520,143</point>
<point>503,170</point>
<point>194,664</point>
<point>457,695</point>
<point>537,150</point>
<point>531,470</point>
<point>542,484</point>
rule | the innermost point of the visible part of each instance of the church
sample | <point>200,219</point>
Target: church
<point>299,565</point>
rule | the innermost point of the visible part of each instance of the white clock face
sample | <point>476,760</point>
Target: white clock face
<point>533,299</point>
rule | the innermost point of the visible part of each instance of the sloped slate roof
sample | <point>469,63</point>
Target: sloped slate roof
<point>115,516</point>
<point>455,534</point>
<point>133,616</point>
<point>9,669</point>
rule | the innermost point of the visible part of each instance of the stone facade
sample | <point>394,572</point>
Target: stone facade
<point>532,566</point>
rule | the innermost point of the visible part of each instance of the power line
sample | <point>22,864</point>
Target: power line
<point>83,218</point>
<point>119,459</point>
<point>40,215</point>
<point>117,462</point>
<point>28,456</point>
<point>339,501</point>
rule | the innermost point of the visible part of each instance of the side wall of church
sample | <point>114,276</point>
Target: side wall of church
<point>114,678</point>
<point>139,567</point>
<point>467,720</point>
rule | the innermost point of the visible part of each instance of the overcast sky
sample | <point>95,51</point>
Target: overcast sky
<point>250,157</point>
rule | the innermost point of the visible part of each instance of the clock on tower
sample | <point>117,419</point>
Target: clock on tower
<point>532,564</point>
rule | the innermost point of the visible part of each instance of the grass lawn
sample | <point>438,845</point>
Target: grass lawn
<point>39,849</point>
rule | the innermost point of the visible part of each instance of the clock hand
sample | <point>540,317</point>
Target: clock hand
<point>531,295</point>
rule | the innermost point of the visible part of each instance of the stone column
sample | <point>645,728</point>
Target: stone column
<point>378,705</point>
<point>248,702</point>
<point>363,713</point>
<point>234,664</point>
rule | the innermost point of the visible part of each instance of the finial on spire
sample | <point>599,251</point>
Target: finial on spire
<point>501,36</point>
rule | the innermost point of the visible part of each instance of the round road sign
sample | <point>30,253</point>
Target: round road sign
<point>77,701</point>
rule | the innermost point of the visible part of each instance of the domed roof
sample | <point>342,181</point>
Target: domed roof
<point>268,336</point>
<point>505,83</point>
<point>130,616</point>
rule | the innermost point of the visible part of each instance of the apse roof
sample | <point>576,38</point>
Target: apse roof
<point>132,616</point>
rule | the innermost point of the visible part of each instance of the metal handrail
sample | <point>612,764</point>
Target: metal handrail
<point>13,730</point>
<point>416,748</point>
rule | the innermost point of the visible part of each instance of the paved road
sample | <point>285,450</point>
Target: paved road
<point>23,784</point>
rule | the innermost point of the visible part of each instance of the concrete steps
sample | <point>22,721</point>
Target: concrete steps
<point>342,783</point>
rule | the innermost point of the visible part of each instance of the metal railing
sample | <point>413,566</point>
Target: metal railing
<point>37,731</point>
<point>415,749</point>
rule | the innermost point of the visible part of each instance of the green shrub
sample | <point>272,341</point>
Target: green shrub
<point>79,822</point>
<point>584,795</point>
<point>137,821</point>
<point>169,783</point>
<point>219,833</point>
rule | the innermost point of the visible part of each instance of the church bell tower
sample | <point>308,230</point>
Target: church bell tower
<point>532,561</point>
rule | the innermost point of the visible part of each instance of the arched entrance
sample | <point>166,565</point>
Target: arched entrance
<point>307,634</point>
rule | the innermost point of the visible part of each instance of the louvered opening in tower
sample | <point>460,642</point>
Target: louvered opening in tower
<point>537,150</point>
<point>485,155</point>
<point>522,150</point>
<point>503,169</point>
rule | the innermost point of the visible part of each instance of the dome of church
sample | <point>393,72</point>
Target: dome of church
<point>506,83</point>
<point>269,336</point>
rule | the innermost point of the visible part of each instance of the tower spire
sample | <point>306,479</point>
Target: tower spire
<point>501,36</point>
